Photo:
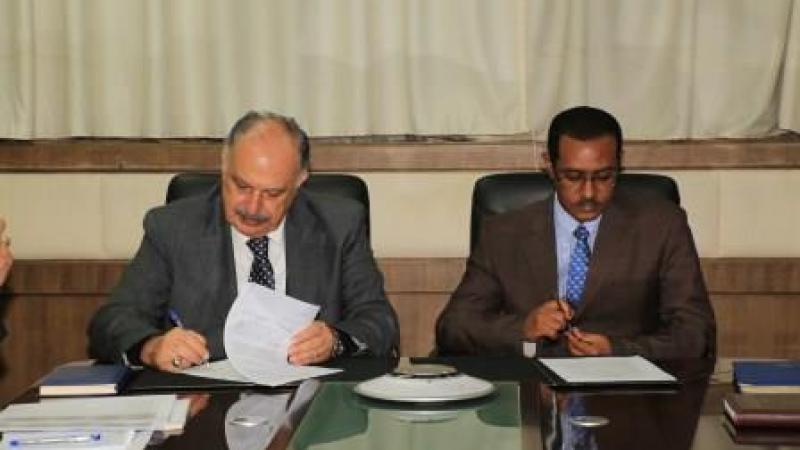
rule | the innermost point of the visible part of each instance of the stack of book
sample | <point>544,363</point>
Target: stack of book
<point>84,378</point>
<point>767,408</point>
<point>767,377</point>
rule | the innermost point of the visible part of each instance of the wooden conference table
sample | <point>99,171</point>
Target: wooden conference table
<point>522,414</point>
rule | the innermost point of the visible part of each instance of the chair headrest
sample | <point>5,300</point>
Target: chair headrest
<point>503,192</point>
<point>341,185</point>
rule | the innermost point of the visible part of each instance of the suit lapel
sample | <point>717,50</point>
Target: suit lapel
<point>218,252</point>
<point>607,248</point>
<point>304,246</point>
<point>540,250</point>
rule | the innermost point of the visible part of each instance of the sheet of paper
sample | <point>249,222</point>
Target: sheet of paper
<point>607,369</point>
<point>145,412</point>
<point>217,370</point>
<point>257,332</point>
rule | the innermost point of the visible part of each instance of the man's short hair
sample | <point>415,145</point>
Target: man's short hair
<point>253,118</point>
<point>582,123</point>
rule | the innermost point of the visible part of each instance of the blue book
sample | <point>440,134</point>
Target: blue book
<point>84,379</point>
<point>768,377</point>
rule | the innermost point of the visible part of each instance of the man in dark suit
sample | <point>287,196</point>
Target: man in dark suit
<point>258,226</point>
<point>587,272</point>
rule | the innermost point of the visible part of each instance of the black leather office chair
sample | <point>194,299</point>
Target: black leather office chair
<point>502,192</point>
<point>341,185</point>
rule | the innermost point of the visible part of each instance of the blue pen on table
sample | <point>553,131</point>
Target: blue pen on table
<point>176,320</point>
<point>52,439</point>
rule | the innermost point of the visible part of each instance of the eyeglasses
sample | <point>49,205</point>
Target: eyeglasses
<point>605,177</point>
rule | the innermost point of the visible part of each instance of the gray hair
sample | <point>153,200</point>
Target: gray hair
<point>253,118</point>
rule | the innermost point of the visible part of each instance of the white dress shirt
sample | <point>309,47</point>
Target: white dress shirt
<point>243,257</point>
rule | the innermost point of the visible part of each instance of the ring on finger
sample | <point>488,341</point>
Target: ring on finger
<point>176,362</point>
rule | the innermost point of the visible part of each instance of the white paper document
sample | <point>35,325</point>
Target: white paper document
<point>257,332</point>
<point>217,370</point>
<point>607,370</point>
<point>145,412</point>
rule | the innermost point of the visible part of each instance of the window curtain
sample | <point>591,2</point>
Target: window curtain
<point>188,68</point>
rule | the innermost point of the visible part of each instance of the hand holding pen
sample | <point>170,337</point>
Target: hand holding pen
<point>177,349</point>
<point>548,320</point>
<point>581,343</point>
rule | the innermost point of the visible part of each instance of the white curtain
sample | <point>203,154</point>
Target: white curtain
<point>189,68</point>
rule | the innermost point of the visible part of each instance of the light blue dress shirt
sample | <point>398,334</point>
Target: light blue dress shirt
<point>565,225</point>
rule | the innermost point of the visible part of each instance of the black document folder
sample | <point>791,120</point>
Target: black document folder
<point>149,380</point>
<point>630,372</point>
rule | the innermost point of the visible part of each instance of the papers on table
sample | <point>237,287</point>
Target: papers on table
<point>607,370</point>
<point>218,370</point>
<point>105,423</point>
<point>257,332</point>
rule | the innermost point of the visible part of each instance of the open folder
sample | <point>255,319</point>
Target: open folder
<point>604,371</point>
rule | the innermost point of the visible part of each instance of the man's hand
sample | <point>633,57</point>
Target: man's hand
<point>312,344</point>
<point>175,350</point>
<point>6,258</point>
<point>587,344</point>
<point>547,320</point>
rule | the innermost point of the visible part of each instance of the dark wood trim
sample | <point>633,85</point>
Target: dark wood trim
<point>333,155</point>
<point>773,276</point>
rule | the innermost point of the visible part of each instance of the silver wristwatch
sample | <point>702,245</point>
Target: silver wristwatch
<point>338,345</point>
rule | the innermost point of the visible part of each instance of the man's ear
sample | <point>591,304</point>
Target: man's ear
<point>547,166</point>
<point>302,178</point>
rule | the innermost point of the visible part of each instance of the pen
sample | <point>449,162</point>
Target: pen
<point>560,299</point>
<point>176,320</point>
<point>65,439</point>
<point>569,321</point>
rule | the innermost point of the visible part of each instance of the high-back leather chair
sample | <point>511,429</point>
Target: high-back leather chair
<point>341,185</point>
<point>502,192</point>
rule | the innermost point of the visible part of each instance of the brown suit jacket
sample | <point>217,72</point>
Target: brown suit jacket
<point>644,290</point>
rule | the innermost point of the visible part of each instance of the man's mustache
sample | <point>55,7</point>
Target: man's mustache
<point>244,215</point>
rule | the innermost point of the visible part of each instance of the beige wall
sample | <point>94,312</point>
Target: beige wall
<point>734,213</point>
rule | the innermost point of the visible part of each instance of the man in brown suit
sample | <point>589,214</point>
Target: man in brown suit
<point>585,272</point>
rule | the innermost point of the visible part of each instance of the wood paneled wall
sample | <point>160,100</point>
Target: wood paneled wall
<point>756,300</point>
<point>497,153</point>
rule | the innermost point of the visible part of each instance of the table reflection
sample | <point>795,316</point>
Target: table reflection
<point>625,419</point>
<point>340,419</point>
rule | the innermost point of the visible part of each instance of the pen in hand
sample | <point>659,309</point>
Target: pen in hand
<point>560,302</point>
<point>569,325</point>
<point>176,320</point>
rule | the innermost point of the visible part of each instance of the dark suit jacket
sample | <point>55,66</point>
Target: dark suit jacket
<point>185,262</point>
<point>644,288</point>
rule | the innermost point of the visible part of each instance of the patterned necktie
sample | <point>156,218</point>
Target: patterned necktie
<point>578,266</point>
<point>261,271</point>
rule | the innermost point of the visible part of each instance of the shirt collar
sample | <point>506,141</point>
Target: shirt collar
<point>564,221</point>
<point>275,236</point>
